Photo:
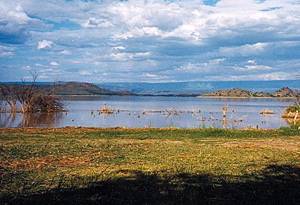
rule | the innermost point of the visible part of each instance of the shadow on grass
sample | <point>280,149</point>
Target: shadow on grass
<point>275,185</point>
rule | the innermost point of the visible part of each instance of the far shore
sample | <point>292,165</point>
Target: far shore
<point>179,95</point>
<point>251,97</point>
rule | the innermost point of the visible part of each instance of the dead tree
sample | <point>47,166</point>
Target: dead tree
<point>9,95</point>
<point>25,94</point>
<point>30,97</point>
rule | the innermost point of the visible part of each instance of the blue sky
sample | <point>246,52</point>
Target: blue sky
<point>150,40</point>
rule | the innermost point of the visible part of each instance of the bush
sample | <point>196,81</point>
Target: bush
<point>293,108</point>
<point>29,98</point>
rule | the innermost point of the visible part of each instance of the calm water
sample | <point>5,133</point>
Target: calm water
<point>132,111</point>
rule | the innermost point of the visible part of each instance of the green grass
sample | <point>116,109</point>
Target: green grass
<point>160,165</point>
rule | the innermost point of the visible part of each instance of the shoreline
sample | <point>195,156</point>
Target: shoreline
<point>80,128</point>
<point>231,97</point>
<point>196,96</point>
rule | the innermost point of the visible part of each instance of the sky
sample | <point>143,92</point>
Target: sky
<point>149,40</point>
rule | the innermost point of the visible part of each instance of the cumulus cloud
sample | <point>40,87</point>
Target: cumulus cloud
<point>152,76</point>
<point>183,40</point>
<point>53,63</point>
<point>124,56</point>
<point>196,22</point>
<point>66,52</point>
<point>96,23</point>
<point>253,66</point>
<point>13,21</point>
<point>244,50</point>
<point>44,44</point>
<point>6,51</point>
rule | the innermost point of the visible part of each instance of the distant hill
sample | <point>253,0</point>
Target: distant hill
<point>165,89</point>
<point>236,92</point>
<point>286,92</point>
<point>69,88</point>
<point>199,87</point>
<point>76,88</point>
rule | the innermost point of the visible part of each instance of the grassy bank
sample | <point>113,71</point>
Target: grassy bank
<point>153,166</point>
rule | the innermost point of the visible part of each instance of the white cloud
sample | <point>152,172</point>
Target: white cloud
<point>13,14</point>
<point>27,68</point>
<point>44,44</point>
<point>96,23</point>
<point>196,22</point>
<point>253,66</point>
<point>6,51</point>
<point>66,52</point>
<point>85,73</point>
<point>53,63</point>
<point>216,61</point>
<point>272,76</point>
<point>123,56</point>
<point>150,75</point>
<point>194,68</point>
<point>244,50</point>
<point>18,15</point>
<point>210,66</point>
<point>153,76</point>
<point>118,48</point>
<point>184,40</point>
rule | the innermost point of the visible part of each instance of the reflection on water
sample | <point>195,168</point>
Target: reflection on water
<point>132,111</point>
<point>30,120</point>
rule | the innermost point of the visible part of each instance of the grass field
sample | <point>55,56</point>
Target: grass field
<point>149,166</point>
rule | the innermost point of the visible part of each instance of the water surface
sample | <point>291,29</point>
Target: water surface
<point>181,112</point>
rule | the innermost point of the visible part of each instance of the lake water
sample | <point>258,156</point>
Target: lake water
<point>181,112</point>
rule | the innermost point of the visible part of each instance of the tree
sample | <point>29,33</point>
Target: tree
<point>30,97</point>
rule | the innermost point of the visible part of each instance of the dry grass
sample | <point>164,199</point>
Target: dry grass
<point>38,160</point>
<point>288,145</point>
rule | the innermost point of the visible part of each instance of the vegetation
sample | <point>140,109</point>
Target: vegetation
<point>149,166</point>
<point>292,113</point>
<point>29,98</point>
<point>296,106</point>
<point>236,92</point>
<point>293,108</point>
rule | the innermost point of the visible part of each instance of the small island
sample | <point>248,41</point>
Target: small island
<point>240,93</point>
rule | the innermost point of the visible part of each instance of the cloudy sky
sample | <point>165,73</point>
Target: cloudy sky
<point>150,40</point>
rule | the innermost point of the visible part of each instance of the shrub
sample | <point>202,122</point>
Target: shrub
<point>293,108</point>
<point>30,98</point>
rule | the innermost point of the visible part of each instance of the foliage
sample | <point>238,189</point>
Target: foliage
<point>293,108</point>
<point>30,98</point>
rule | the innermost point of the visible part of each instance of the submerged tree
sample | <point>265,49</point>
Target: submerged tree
<point>8,94</point>
<point>30,98</point>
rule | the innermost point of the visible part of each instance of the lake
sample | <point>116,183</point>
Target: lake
<point>157,112</point>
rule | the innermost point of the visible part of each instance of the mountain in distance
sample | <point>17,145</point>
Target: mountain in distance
<point>78,88</point>
<point>68,88</point>
<point>200,88</point>
<point>222,89</point>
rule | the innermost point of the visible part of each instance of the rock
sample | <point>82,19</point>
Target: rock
<point>267,112</point>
